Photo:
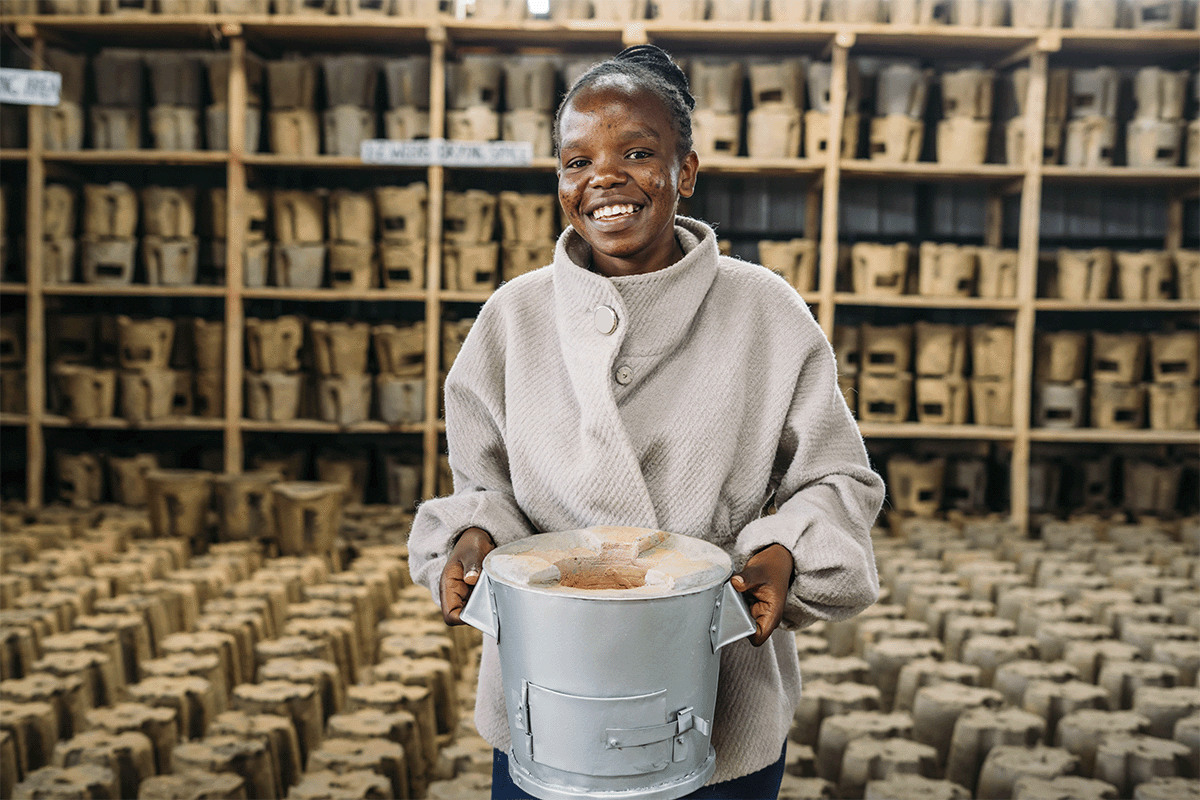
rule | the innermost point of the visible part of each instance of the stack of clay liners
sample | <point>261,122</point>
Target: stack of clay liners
<point>64,122</point>
<point>59,208</point>
<point>298,256</point>
<point>794,260</point>
<point>407,81</point>
<point>816,119</point>
<point>170,248</point>
<point>216,115</point>
<point>1058,91</point>
<point>208,380</point>
<point>403,232</point>
<point>400,384</point>
<point>293,125</point>
<point>946,270</point>
<point>351,240</point>
<point>256,249</point>
<point>527,232</point>
<point>12,364</point>
<point>1092,128</point>
<point>147,383</point>
<point>898,127</point>
<point>473,98</point>
<point>885,379</point>
<point>717,119</point>
<point>339,352</point>
<point>992,373</point>
<point>941,384</point>
<point>962,133</point>
<point>1173,396</point>
<point>349,115</point>
<point>1154,137</point>
<point>117,113</point>
<point>529,91</point>
<point>1118,366</point>
<point>175,80</point>
<point>108,244</point>
<point>273,381</point>
<point>773,124</point>
<point>470,258</point>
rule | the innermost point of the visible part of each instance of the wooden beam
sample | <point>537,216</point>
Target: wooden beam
<point>832,182</point>
<point>235,244</point>
<point>1027,266</point>
<point>36,370</point>
<point>435,179</point>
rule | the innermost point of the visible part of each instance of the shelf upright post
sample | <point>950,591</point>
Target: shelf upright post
<point>831,185</point>
<point>436,179</point>
<point>1027,266</point>
<point>235,227</point>
<point>35,300</point>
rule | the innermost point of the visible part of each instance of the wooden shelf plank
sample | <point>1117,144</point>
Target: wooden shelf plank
<point>13,288</point>
<point>1114,436</point>
<point>320,426</point>
<point>131,290</point>
<point>13,154</point>
<point>457,296</point>
<point>922,301</point>
<point>118,423</point>
<point>1141,45</point>
<point>917,430</point>
<point>927,171</point>
<point>215,158</point>
<point>8,418</point>
<point>334,295</point>
<point>1053,304</point>
<point>1165,176</point>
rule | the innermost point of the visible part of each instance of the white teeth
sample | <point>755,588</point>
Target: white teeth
<point>607,212</point>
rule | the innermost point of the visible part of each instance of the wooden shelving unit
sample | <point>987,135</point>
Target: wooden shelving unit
<point>440,38</point>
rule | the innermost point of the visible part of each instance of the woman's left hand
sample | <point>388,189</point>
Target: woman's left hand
<point>764,581</point>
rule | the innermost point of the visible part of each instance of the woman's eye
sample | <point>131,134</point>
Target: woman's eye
<point>576,163</point>
<point>640,154</point>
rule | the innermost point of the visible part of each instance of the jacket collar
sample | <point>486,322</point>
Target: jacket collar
<point>654,310</point>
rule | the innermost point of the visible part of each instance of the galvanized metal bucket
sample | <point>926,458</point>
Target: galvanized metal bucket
<point>610,692</point>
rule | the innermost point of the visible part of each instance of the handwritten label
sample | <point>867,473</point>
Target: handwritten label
<point>29,87</point>
<point>426,152</point>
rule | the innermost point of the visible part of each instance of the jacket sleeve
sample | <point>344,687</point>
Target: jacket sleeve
<point>483,493</point>
<point>827,498</point>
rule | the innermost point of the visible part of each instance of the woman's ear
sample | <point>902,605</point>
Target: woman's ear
<point>687,174</point>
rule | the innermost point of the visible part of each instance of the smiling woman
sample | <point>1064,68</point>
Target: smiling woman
<point>644,380</point>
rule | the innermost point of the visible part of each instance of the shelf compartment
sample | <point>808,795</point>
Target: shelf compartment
<point>320,426</point>
<point>1114,436</point>
<point>921,301</point>
<point>118,423</point>
<point>917,430</point>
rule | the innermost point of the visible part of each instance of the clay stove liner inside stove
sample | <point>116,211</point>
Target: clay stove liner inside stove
<point>609,642</point>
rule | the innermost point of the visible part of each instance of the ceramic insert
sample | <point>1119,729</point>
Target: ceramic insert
<point>610,561</point>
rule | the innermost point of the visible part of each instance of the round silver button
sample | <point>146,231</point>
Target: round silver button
<point>624,375</point>
<point>605,319</point>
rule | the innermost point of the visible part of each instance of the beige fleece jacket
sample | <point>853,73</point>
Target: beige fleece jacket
<point>714,399</point>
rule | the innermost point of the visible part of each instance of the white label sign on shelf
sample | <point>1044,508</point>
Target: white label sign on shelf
<point>427,152</point>
<point>30,87</point>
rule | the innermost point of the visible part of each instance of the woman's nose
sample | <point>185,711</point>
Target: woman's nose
<point>607,172</point>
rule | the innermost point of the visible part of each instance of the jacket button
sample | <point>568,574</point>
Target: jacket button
<point>605,319</point>
<point>624,375</point>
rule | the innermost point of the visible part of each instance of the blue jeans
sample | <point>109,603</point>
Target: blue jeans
<point>761,785</point>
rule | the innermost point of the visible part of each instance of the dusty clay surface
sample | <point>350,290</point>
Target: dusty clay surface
<point>610,560</point>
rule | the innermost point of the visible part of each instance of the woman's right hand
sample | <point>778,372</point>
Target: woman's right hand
<point>462,572</point>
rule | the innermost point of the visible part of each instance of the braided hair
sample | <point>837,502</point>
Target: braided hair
<point>649,68</point>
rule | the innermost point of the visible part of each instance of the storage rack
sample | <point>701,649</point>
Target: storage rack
<point>999,47</point>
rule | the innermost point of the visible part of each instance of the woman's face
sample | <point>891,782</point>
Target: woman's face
<point>620,177</point>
